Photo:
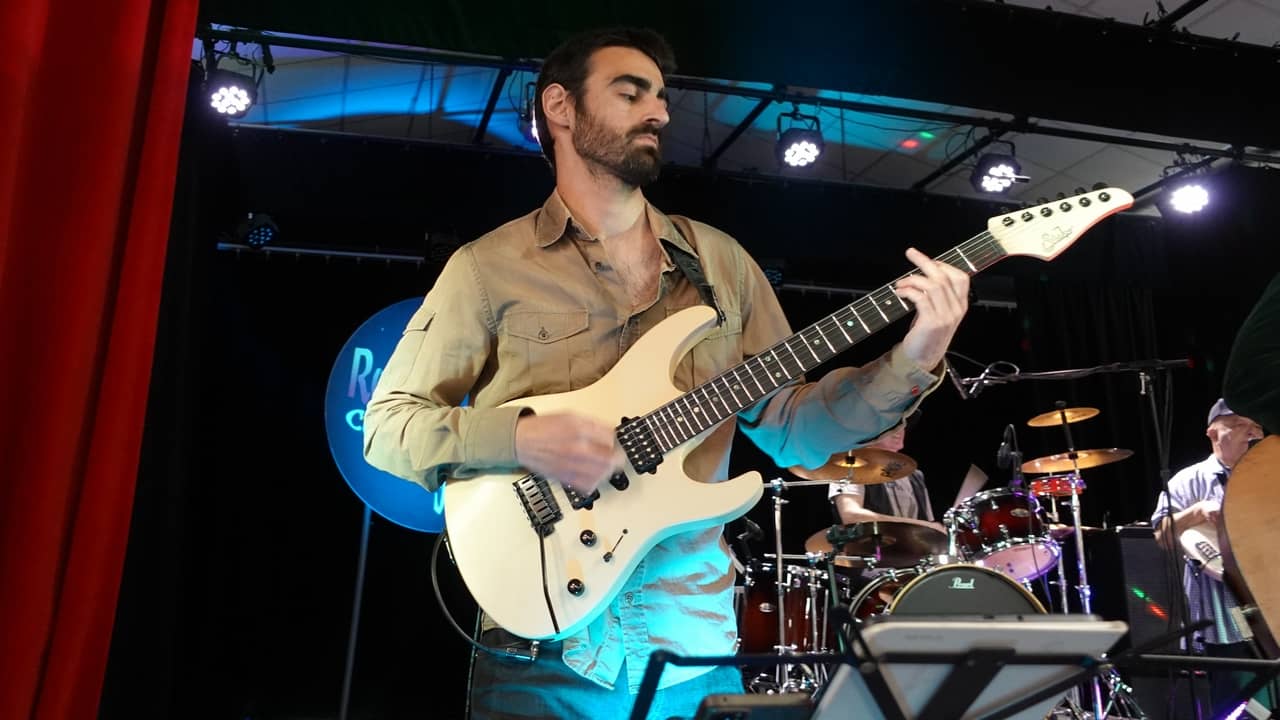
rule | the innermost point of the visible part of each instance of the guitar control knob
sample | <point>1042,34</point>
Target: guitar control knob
<point>588,538</point>
<point>620,481</point>
<point>576,587</point>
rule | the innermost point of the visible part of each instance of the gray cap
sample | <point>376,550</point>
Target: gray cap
<point>1218,410</point>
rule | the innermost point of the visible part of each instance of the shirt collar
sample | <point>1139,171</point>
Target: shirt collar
<point>555,221</point>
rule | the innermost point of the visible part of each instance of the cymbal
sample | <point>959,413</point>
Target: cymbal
<point>1054,417</point>
<point>901,543</point>
<point>862,466</point>
<point>1084,459</point>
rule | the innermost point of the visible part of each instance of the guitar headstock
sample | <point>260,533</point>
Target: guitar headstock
<point>1045,230</point>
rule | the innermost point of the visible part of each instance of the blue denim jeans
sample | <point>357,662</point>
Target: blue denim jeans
<point>547,688</point>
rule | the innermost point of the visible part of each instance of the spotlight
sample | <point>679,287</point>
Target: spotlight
<point>257,230</point>
<point>1189,198</point>
<point>996,173</point>
<point>230,93</point>
<point>801,143</point>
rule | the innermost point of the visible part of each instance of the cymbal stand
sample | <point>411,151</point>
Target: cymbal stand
<point>1086,592</point>
<point>782,672</point>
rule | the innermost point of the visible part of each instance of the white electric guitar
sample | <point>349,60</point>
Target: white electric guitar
<point>1200,543</point>
<point>543,561</point>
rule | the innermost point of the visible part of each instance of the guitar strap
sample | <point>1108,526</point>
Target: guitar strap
<point>692,269</point>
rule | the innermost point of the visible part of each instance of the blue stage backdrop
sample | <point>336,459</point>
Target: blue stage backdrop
<point>354,375</point>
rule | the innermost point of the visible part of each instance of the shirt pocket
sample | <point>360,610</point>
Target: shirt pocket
<point>545,351</point>
<point>720,350</point>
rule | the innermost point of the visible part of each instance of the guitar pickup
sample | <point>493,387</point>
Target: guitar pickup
<point>539,503</point>
<point>578,501</point>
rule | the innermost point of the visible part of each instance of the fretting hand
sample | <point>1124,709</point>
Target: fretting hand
<point>940,294</point>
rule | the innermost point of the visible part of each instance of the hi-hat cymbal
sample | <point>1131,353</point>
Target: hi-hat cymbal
<point>862,466</point>
<point>1054,417</point>
<point>1084,459</point>
<point>901,542</point>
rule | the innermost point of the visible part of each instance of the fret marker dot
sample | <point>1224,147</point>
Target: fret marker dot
<point>848,323</point>
<point>777,374</point>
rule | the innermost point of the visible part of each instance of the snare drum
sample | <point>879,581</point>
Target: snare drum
<point>806,596</point>
<point>1004,529</point>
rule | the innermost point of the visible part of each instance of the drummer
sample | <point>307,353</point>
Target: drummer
<point>905,497</point>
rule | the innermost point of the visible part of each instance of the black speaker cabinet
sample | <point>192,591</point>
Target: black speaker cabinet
<point>1132,580</point>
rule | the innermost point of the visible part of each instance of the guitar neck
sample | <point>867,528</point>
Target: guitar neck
<point>743,385</point>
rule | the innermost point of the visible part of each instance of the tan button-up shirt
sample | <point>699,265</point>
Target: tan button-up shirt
<point>535,308</point>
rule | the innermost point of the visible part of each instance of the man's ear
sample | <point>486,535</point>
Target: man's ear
<point>557,105</point>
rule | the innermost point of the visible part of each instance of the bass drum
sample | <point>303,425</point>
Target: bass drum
<point>875,597</point>
<point>963,589</point>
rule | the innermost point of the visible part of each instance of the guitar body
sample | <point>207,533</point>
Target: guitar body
<point>499,553</point>
<point>1200,543</point>
<point>1250,537</point>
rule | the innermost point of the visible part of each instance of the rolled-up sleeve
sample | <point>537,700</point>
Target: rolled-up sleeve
<point>416,426</point>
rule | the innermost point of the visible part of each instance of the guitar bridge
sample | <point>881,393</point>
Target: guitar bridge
<point>539,504</point>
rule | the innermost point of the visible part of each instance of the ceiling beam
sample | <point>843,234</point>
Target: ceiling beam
<point>972,53</point>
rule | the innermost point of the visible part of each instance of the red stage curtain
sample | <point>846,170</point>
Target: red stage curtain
<point>91,105</point>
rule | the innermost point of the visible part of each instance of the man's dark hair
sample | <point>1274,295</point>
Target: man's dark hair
<point>567,66</point>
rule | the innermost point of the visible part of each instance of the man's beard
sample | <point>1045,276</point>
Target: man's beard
<point>633,165</point>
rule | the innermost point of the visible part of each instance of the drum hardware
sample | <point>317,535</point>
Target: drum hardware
<point>1072,461</point>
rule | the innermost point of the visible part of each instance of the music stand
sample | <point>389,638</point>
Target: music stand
<point>971,667</point>
<point>936,668</point>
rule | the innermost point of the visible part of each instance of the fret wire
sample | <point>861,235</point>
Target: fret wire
<point>751,373</point>
<point>729,385</point>
<point>778,363</point>
<point>861,322</point>
<point>681,422</point>
<point>818,326</point>
<point>840,327</point>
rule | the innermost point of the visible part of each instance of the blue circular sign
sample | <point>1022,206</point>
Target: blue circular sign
<point>351,383</point>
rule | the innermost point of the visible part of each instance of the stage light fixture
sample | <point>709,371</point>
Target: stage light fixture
<point>801,143</point>
<point>257,230</point>
<point>1190,197</point>
<point>230,93</point>
<point>996,173</point>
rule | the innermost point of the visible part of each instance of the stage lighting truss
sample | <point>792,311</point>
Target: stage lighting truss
<point>232,92</point>
<point>800,144</point>
<point>997,172</point>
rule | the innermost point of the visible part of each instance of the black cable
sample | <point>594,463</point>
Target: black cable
<point>509,653</point>
<point>546,592</point>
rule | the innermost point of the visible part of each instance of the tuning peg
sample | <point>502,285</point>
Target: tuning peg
<point>1099,185</point>
<point>1042,200</point>
<point>1078,191</point>
<point>1062,196</point>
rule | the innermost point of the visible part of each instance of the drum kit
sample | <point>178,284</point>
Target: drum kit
<point>992,544</point>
